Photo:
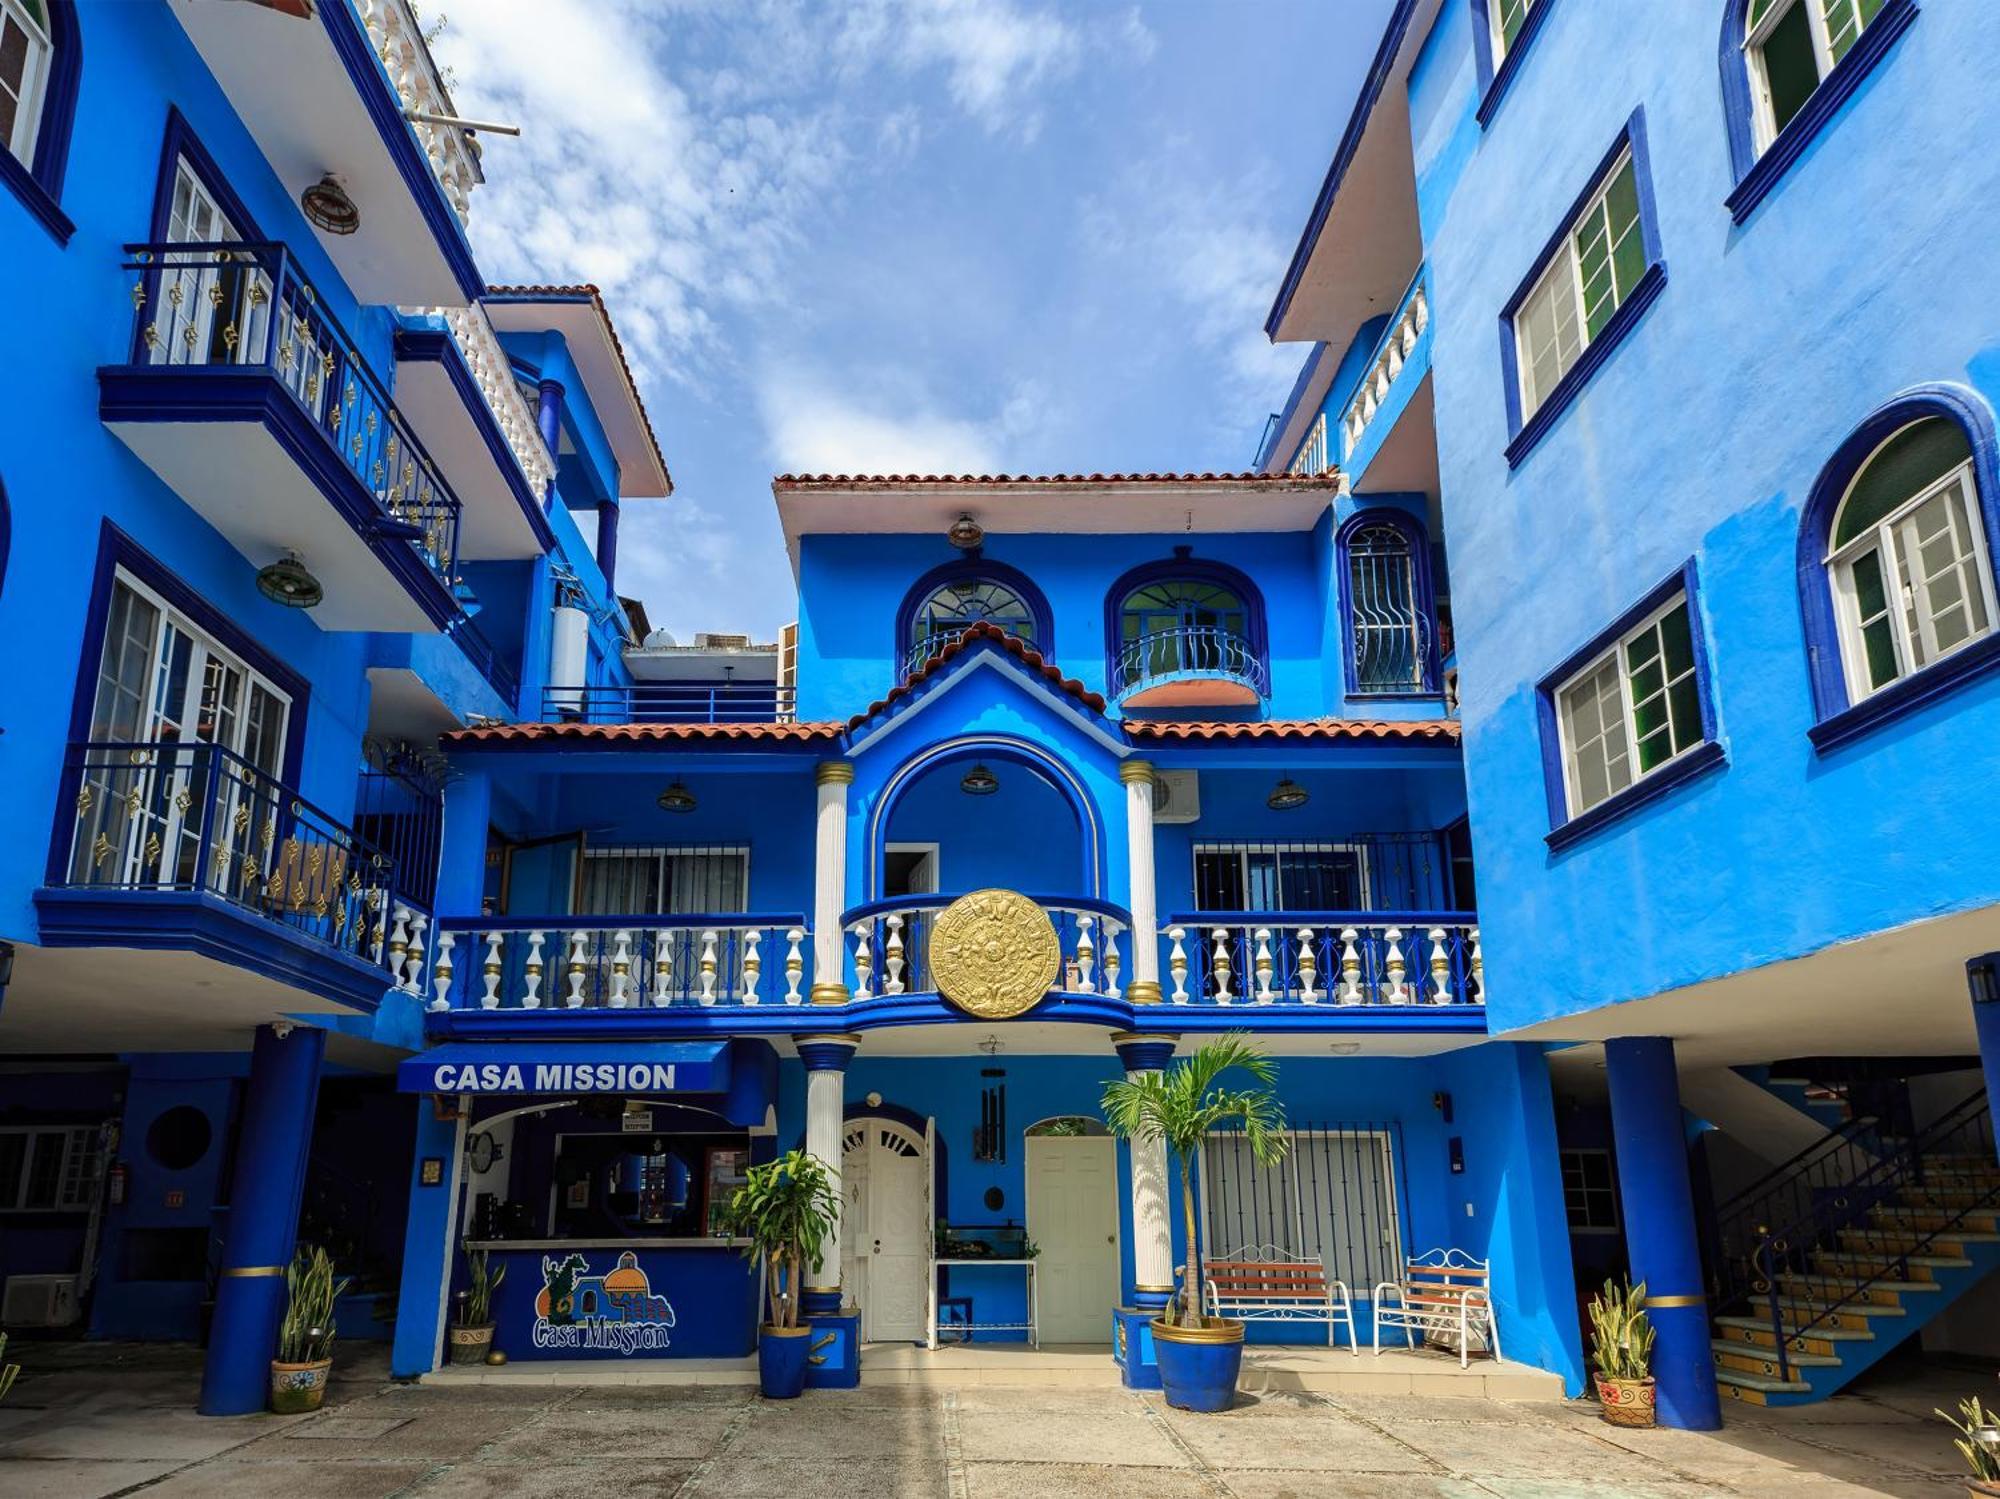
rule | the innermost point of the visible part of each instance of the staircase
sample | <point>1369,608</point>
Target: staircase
<point>1877,1236</point>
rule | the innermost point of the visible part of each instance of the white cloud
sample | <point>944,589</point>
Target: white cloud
<point>816,428</point>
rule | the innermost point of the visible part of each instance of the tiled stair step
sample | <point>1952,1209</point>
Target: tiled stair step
<point>1930,1220</point>
<point>1753,1388</point>
<point>1866,1293</point>
<point>1753,1332</point>
<point>1949,1242</point>
<point>1741,1358</point>
<point>1947,1198</point>
<point>1816,1316</point>
<point>1850,1261</point>
<point>1954,1173</point>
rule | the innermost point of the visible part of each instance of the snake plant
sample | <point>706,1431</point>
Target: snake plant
<point>1621,1334</point>
<point>8,1372</point>
<point>482,1283</point>
<point>1973,1422</point>
<point>306,1334</point>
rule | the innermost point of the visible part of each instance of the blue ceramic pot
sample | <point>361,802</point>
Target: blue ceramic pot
<point>781,1361</point>
<point>1199,1365</point>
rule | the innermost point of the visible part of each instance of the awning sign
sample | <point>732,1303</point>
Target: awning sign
<point>642,1069</point>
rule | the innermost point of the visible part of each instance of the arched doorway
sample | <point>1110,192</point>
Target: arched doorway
<point>1073,1220</point>
<point>885,1238</point>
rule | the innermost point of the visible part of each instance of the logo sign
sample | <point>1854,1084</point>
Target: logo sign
<point>584,1311</point>
<point>502,1068</point>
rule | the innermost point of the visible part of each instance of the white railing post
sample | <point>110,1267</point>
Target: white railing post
<point>577,942</point>
<point>795,964</point>
<point>863,933</point>
<point>399,943</point>
<point>412,981</point>
<point>1475,988</point>
<point>531,972</point>
<point>706,968</point>
<point>621,967</point>
<point>892,955</point>
<point>1394,991</point>
<point>1440,968</point>
<point>490,971</point>
<point>1218,965</point>
<point>1177,963</point>
<point>753,965</point>
<point>1261,965</point>
<point>1086,955</point>
<point>441,972</point>
<point>663,967</point>
<point>1308,967</point>
<point>1350,967</point>
<point>1112,962</point>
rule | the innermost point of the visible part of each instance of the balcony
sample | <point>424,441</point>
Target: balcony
<point>1338,958</point>
<point>670,702</point>
<point>247,399</point>
<point>187,847</point>
<point>1389,385</point>
<point>1188,666</point>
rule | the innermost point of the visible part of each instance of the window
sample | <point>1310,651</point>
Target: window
<point>1789,46</point>
<point>47,1170</point>
<point>39,64</point>
<point>1505,20</point>
<point>1632,709</point>
<point>1332,1198</point>
<point>1388,607</point>
<point>25,53</point>
<point>665,881</point>
<point>1590,1196</point>
<point>1181,625</point>
<point>1908,563</point>
<point>1598,262</point>
<point>1280,877</point>
<point>955,606</point>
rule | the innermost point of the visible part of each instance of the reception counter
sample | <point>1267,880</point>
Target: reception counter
<point>623,1298</point>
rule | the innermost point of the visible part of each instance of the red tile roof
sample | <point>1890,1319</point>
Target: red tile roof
<point>1328,480</point>
<point>1294,728</point>
<point>640,733</point>
<point>1013,645</point>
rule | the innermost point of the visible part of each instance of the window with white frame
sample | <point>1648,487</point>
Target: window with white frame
<point>1280,877</point>
<point>1911,576</point>
<point>665,881</point>
<point>1789,46</point>
<point>47,1169</point>
<point>1504,19</point>
<point>1630,711</point>
<point>1590,1194</point>
<point>1596,263</point>
<point>25,51</point>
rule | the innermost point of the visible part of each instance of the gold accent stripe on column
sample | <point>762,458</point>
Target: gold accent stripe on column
<point>250,1270</point>
<point>1674,1301</point>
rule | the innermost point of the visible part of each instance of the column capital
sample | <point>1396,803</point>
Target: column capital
<point>1144,1052</point>
<point>826,1053</point>
<point>833,773</point>
<point>1130,771</point>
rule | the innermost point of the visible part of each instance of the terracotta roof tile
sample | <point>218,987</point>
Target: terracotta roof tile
<point>1013,645</point>
<point>1444,729</point>
<point>1328,480</point>
<point>639,733</point>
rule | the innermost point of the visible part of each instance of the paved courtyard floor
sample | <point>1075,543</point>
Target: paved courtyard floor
<point>94,1420</point>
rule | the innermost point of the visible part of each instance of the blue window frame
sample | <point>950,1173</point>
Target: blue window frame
<point>1584,293</point>
<point>1631,714</point>
<point>1909,504</point>
<point>1787,67</point>
<point>41,60</point>
<point>1389,607</point>
<point>946,600</point>
<point>1184,617</point>
<point>1502,31</point>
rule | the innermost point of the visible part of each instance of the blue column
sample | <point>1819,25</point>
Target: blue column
<point>607,542</point>
<point>1660,1234</point>
<point>468,814</point>
<point>548,416</point>
<point>427,1244</point>
<point>273,1138</point>
<point>1982,977</point>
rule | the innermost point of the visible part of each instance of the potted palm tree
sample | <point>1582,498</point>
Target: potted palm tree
<point>1621,1346</point>
<point>472,1333</point>
<point>1978,1442</point>
<point>305,1336</point>
<point>1200,1356</point>
<point>784,1210</point>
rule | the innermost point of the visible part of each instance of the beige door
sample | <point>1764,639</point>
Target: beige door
<point>1073,1219</point>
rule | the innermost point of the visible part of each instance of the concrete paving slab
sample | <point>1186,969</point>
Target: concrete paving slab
<point>1255,1406</point>
<point>302,1480</point>
<point>1543,1452</point>
<point>1021,1398</point>
<point>791,1478</point>
<point>565,1435</point>
<point>342,1428</point>
<point>807,1428</point>
<point>1108,1438</point>
<point>1547,1488</point>
<point>1327,1442</point>
<point>1923,1446</point>
<point>84,1478</point>
<point>1030,1480</point>
<point>1477,1410</point>
<point>145,1436</point>
<point>1273,1483</point>
<point>1739,1455</point>
<point>636,1478</point>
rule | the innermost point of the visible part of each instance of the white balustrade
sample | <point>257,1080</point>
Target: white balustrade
<point>1440,968</point>
<point>1394,990</point>
<point>577,942</point>
<point>1396,346</point>
<point>863,933</point>
<point>491,371</point>
<point>706,967</point>
<point>1308,967</point>
<point>795,964</point>
<point>1218,966</point>
<point>490,971</point>
<point>1357,963</point>
<point>1112,964</point>
<point>1476,969</point>
<point>399,944</point>
<point>398,40</point>
<point>1350,967</point>
<point>441,972</point>
<point>1086,955</point>
<point>621,967</point>
<point>1177,963</point>
<point>531,972</point>
<point>1261,965</point>
<point>892,956</point>
<point>411,980</point>
<point>753,965</point>
<point>663,967</point>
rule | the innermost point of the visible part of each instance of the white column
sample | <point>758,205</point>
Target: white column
<point>826,1059</point>
<point>1152,1225</point>
<point>829,985</point>
<point>1145,986</point>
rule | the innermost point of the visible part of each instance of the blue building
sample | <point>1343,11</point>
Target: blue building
<point>1722,508</point>
<point>292,491</point>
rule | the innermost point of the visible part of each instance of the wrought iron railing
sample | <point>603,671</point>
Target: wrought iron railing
<point>190,817</point>
<point>888,944</point>
<point>671,702</point>
<point>633,962</point>
<point>1781,1276</point>
<point>931,642</point>
<point>1186,651</point>
<point>242,306</point>
<point>1336,958</point>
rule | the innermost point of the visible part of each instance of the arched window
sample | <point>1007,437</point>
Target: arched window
<point>948,600</point>
<point>1186,619</point>
<point>1389,608</point>
<point>39,63</point>
<point>1789,46</point>
<point>1907,559</point>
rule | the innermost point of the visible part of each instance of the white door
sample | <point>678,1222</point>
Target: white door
<point>1073,1219</point>
<point>885,1240</point>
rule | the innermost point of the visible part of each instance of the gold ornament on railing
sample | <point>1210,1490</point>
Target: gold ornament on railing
<point>175,291</point>
<point>258,296</point>
<point>133,801</point>
<point>215,293</point>
<point>229,337</point>
<point>138,295</point>
<point>100,850</point>
<point>85,797</point>
<point>152,332</point>
<point>183,799</point>
<point>152,853</point>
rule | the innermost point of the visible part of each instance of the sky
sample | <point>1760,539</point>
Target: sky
<point>897,236</point>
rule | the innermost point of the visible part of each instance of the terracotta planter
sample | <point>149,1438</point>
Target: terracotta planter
<point>469,1345</point>
<point>1626,1402</point>
<point>297,1388</point>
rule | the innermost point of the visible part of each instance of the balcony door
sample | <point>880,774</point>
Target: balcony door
<point>169,696</point>
<point>217,301</point>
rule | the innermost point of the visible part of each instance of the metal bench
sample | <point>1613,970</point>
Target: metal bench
<point>1445,1294</point>
<point>1264,1284</point>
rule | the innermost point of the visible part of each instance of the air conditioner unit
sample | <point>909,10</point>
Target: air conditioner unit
<point>1176,796</point>
<point>38,1301</point>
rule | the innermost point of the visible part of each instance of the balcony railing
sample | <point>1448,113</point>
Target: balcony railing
<point>671,702</point>
<point>1182,652</point>
<point>888,944</point>
<point>1398,344</point>
<point>1335,958</point>
<point>932,641</point>
<point>621,962</point>
<point>179,817</point>
<point>249,307</point>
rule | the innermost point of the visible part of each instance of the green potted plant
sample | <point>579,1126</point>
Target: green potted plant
<point>1199,1356</point>
<point>785,1210</point>
<point>1978,1441</point>
<point>305,1337</point>
<point>472,1333</point>
<point>1621,1346</point>
<point>8,1372</point>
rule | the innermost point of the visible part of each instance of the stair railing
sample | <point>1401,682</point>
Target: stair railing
<point>1965,1131</point>
<point>1784,1194</point>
